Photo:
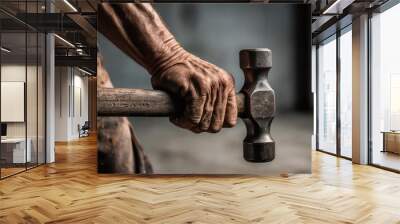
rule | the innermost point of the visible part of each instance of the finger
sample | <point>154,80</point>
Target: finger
<point>231,110</point>
<point>208,110</point>
<point>185,123</point>
<point>219,110</point>
<point>194,106</point>
<point>207,114</point>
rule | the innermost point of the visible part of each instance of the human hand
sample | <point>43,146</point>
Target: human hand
<point>207,90</point>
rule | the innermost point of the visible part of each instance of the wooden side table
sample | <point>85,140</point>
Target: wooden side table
<point>391,141</point>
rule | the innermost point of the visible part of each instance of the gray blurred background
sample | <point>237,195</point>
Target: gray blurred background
<point>217,32</point>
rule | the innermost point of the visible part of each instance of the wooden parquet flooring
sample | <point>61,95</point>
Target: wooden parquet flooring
<point>8,171</point>
<point>71,191</point>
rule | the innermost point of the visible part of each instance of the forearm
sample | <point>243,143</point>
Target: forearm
<point>207,91</point>
<point>137,29</point>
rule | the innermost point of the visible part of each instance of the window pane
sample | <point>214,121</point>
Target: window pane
<point>346,94</point>
<point>327,96</point>
<point>385,83</point>
<point>32,86</point>
<point>41,99</point>
<point>31,98</point>
<point>13,86</point>
<point>22,88</point>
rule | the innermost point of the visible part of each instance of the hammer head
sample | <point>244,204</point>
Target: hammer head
<point>258,146</point>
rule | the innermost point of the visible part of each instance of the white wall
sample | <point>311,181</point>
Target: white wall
<point>13,101</point>
<point>71,93</point>
<point>62,81</point>
<point>33,126</point>
<point>80,110</point>
<point>12,73</point>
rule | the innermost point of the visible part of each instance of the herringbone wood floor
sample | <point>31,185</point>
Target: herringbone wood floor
<point>70,191</point>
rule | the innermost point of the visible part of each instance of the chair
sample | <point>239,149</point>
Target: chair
<point>84,130</point>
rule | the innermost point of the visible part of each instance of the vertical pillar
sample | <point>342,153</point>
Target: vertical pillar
<point>92,100</point>
<point>338,98</point>
<point>360,90</point>
<point>63,102</point>
<point>50,92</point>
<point>314,94</point>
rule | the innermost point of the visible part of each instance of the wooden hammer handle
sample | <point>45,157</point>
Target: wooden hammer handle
<point>140,102</point>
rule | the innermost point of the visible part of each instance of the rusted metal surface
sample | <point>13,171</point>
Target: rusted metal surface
<point>258,146</point>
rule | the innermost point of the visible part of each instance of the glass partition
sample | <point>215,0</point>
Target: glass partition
<point>385,89</point>
<point>41,97</point>
<point>23,91</point>
<point>31,98</point>
<point>327,96</point>
<point>346,93</point>
<point>13,94</point>
<point>32,92</point>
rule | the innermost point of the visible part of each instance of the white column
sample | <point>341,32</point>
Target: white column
<point>360,90</point>
<point>50,92</point>
<point>50,99</point>
<point>63,101</point>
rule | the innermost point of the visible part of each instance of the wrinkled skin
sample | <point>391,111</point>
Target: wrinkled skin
<point>206,90</point>
<point>208,93</point>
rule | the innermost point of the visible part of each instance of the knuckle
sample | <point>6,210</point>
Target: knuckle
<point>208,89</point>
<point>203,79</point>
<point>194,118</point>
<point>215,127</point>
<point>204,126</point>
<point>193,114</point>
<point>230,93</point>
<point>219,108</point>
<point>230,123</point>
<point>216,82</point>
<point>209,108</point>
<point>184,89</point>
<point>212,81</point>
<point>205,122</point>
<point>204,86</point>
<point>196,101</point>
<point>224,83</point>
<point>229,78</point>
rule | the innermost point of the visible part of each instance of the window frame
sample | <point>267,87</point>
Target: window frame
<point>31,30</point>
<point>378,10</point>
<point>334,37</point>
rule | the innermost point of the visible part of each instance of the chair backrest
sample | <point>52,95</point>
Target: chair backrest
<point>86,125</point>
